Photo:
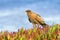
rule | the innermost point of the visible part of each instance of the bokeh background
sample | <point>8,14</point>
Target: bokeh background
<point>13,15</point>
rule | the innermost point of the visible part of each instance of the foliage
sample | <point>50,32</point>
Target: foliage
<point>37,33</point>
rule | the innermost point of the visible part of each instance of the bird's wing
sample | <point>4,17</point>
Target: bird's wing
<point>29,19</point>
<point>39,18</point>
<point>38,15</point>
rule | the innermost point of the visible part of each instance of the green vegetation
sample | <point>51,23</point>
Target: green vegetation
<point>45,33</point>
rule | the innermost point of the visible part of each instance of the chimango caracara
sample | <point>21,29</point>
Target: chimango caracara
<point>35,18</point>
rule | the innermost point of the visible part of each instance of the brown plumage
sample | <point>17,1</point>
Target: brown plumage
<point>35,18</point>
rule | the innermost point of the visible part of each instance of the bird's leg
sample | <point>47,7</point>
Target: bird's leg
<point>34,25</point>
<point>38,25</point>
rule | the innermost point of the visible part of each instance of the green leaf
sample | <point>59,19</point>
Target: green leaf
<point>52,29</point>
<point>22,30</point>
<point>34,30</point>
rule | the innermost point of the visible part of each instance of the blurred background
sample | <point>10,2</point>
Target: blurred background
<point>13,15</point>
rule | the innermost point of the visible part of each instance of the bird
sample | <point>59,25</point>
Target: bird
<point>35,18</point>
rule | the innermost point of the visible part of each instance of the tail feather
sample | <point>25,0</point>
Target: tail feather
<point>44,25</point>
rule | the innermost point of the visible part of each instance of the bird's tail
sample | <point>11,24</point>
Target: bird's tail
<point>44,25</point>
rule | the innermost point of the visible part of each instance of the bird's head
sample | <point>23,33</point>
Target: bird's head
<point>28,12</point>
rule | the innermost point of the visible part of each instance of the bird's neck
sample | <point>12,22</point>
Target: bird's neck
<point>29,14</point>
